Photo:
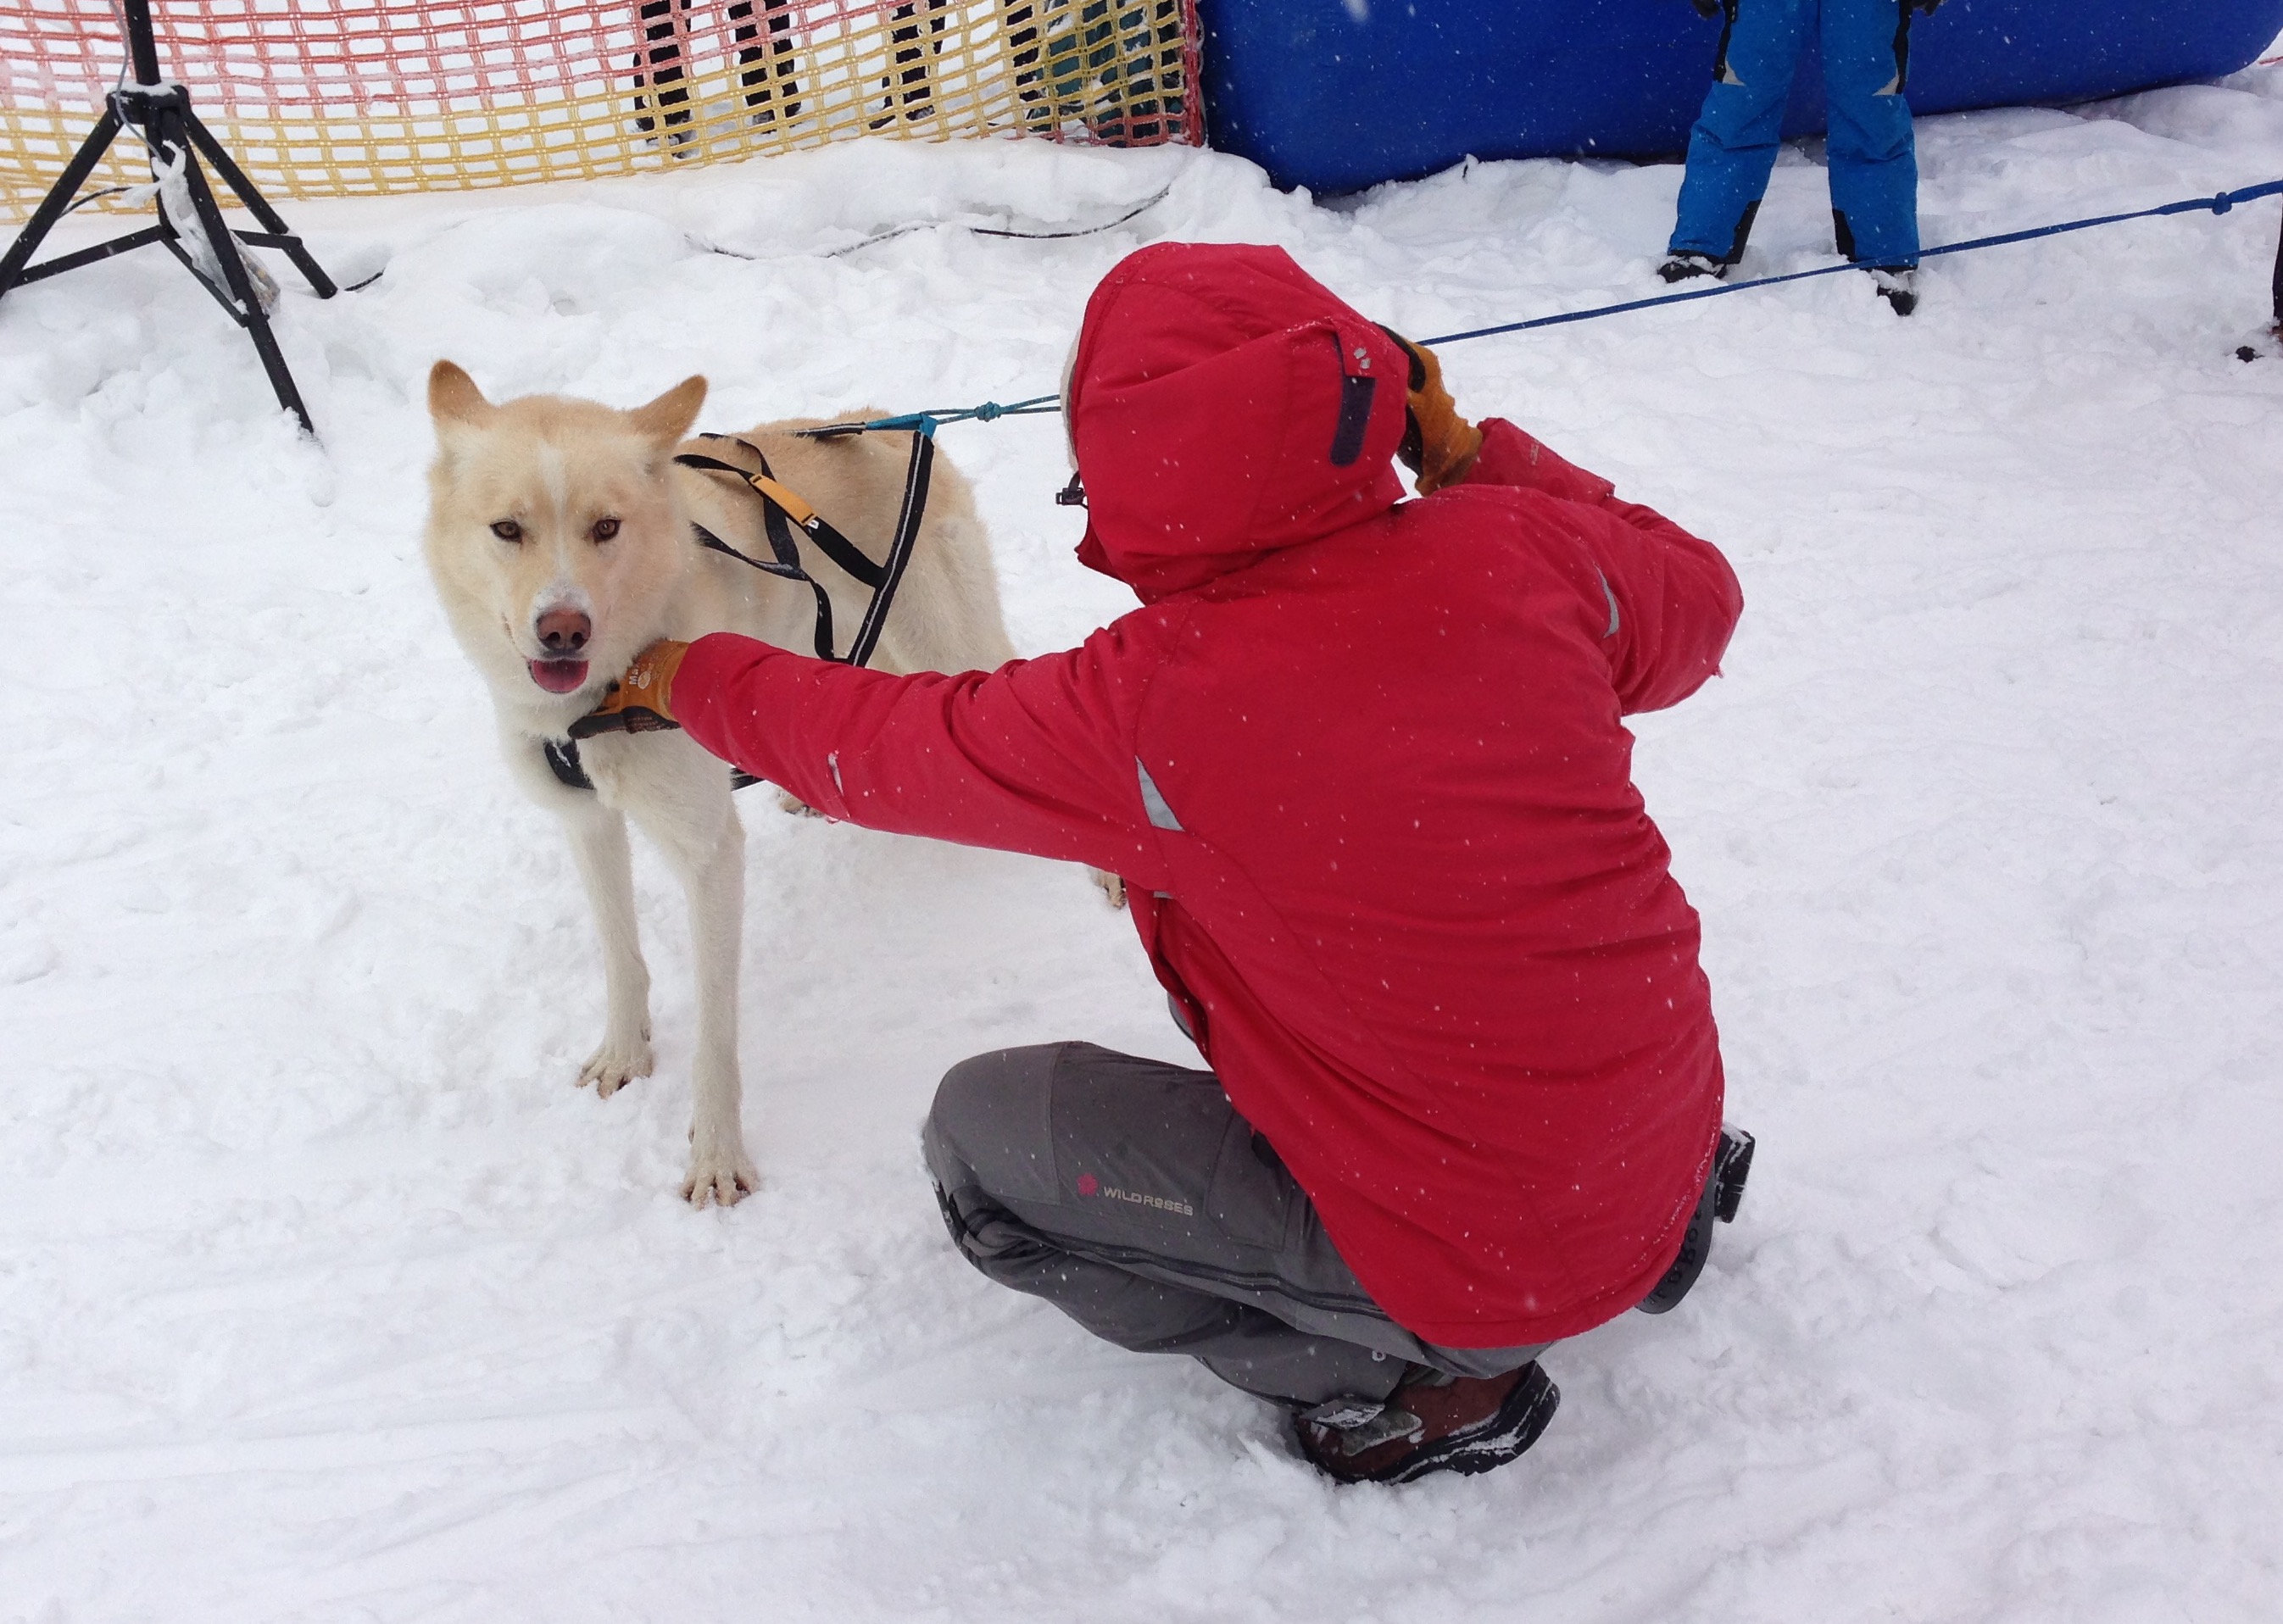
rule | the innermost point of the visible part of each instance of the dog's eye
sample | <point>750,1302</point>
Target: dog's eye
<point>604,529</point>
<point>508,530</point>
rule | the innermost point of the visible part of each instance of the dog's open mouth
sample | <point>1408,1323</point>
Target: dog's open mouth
<point>559,676</point>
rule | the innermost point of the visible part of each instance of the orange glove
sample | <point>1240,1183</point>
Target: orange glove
<point>1439,445</point>
<point>638,702</point>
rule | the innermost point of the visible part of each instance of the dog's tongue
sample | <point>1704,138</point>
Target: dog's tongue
<point>559,676</point>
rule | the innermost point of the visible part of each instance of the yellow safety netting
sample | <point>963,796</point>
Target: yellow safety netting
<point>348,97</point>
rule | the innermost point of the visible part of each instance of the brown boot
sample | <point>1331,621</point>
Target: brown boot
<point>1436,1423</point>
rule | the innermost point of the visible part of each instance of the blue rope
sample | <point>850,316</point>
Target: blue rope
<point>927,423</point>
<point>2219,203</point>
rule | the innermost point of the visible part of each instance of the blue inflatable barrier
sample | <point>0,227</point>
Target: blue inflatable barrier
<point>1339,94</point>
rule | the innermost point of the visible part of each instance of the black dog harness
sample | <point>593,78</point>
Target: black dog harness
<point>782,509</point>
<point>783,512</point>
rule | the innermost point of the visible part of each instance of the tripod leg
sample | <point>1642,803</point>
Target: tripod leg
<point>2277,285</point>
<point>257,206</point>
<point>168,128</point>
<point>59,201</point>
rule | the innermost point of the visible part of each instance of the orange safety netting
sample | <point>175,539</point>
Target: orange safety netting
<point>343,97</point>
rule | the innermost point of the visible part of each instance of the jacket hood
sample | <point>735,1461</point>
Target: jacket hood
<point>1224,404</point>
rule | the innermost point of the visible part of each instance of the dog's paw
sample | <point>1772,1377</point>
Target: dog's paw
<point>721,1179</point>
<point>614,1065</point>
<point>794,804</point>
<point>1112,887</point>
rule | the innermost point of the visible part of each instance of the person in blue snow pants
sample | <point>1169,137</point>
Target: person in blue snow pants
<point>1732,149</point>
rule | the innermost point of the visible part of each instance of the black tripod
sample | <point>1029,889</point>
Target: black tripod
<point>2278,288</point>
<point>161,110</point>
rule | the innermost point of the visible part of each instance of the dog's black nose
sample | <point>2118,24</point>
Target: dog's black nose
<point>563,632</point>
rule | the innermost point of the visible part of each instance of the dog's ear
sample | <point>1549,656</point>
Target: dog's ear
<point>668,419</point>
<point>453,396</point>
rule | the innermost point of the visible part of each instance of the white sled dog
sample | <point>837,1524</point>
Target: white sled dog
<point>559,536</point>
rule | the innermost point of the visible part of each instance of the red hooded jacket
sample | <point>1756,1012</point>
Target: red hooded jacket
<point>1359,762</point>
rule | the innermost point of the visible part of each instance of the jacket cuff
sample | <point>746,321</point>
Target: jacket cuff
<point>1512,457</point>
<point>715,665</point>
<point>710,662</point>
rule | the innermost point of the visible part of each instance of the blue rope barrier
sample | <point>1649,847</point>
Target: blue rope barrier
<point>2219,203</point>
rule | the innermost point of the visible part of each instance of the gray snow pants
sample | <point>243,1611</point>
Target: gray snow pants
<point>1131,1195</point>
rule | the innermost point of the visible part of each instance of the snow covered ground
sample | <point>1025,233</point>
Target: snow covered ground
<point>323,1295</point>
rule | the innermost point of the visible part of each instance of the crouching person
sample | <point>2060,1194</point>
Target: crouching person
<point>1360,764</point>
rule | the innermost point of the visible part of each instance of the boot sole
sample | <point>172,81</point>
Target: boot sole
<point>1505,1436</point>
<point>1724,1193</point>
